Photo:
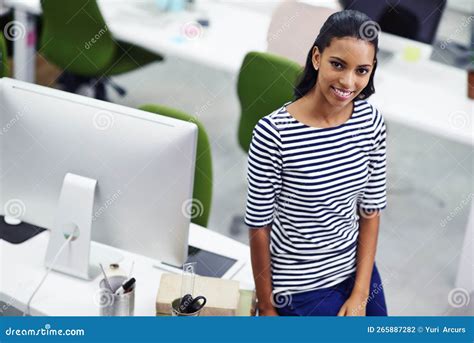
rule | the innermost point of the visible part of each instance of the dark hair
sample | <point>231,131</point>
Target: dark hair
<point>347,23</point>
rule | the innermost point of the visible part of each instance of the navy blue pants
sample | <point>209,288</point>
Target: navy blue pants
<point>328,301</point>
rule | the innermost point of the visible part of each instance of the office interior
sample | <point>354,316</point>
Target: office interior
<point>184,60</point>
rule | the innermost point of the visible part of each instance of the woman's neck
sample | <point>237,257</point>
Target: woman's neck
<point>315,108</point>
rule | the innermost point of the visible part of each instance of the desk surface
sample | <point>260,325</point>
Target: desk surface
<point>426,95</point>
<point>22,267</point>
<point>233,30</point>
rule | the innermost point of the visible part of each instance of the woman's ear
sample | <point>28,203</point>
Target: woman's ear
<point>316,59</point>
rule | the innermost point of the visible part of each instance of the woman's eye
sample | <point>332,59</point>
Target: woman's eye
<point>336,65</point>
<point>362,71</point>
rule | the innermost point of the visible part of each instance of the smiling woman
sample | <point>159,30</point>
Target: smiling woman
<point>343,72</point>
<point>343,25</point>
<point>316,183</point>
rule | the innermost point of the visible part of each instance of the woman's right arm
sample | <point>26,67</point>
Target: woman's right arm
<point>264,185</point>
<point>261,266</point>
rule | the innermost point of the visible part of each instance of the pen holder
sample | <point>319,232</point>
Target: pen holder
<point>116,305</point>
<point>176,313</point>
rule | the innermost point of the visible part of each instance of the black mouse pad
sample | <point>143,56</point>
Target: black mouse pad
<point>17,234</point>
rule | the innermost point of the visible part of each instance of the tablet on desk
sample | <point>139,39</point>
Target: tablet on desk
<point>209,264</point>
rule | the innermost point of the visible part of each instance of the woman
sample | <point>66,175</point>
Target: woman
<point>316,183</point>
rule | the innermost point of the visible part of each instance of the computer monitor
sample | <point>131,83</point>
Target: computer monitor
<point>136,167</point>
<point>414,20</point>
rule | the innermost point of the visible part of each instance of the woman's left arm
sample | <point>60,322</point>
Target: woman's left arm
<point>373,202</point>
<point>366,247</point>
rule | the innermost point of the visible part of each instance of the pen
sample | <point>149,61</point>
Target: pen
<point>126,286</point>
<point>107,283</point>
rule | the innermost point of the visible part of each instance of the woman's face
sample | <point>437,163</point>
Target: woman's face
<point>344,69</point>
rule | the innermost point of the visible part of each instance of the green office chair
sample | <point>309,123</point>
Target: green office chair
<point>3,57</point>
<point>265,83</point>
<point>76,38</point>
<point>202,192</point>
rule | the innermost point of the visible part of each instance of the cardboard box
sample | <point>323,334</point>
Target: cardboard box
<point>222,296</point>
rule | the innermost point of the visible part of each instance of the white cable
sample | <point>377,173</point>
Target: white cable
<point>27,310</point>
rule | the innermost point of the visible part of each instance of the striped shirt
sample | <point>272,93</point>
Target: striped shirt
<point>309,183</point>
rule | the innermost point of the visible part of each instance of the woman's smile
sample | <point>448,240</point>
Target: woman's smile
<point>341,93</point>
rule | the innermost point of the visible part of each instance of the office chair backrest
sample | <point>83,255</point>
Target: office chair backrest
<point>294,27</point>
<point>75,36</point>
<point>3,57</point>
<point>266,82</point>
<point>202,191</point>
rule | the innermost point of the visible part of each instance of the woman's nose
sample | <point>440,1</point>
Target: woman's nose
<point>347,81</point>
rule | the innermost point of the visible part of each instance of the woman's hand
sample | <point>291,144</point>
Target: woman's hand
<point>268,312</point>
<point>355,305</point>
<point>261,267</point>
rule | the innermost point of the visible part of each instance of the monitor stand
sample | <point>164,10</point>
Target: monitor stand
<point>74,217</point>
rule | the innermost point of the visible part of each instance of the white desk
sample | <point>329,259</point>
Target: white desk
<point>22,267</point>
<point>233,32</point>
<point>427,96</point>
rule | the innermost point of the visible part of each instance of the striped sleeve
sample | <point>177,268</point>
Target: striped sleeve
<point>375,194</point>
<point>263,174</point>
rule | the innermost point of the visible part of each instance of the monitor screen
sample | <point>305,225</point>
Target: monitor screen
<point>416,20</point>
